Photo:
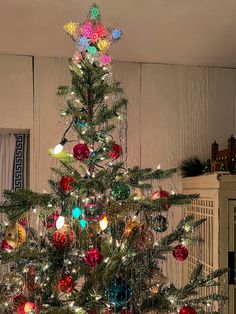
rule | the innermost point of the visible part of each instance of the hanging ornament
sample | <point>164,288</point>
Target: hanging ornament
<point>50,222</point>
<point>187,310</point>
<point>13,284</point>
<point>132,223</point>
<point>81,152</point>
<point>93,257</point>
<point>15,235</point>
<point>120,191</point>
<point>67,284</point>
<point>115,152</point>
<point>23,221</point>
<point>64,237</point>
<point>160,223</point>
<point>28,307</point>
<point>76,212</point>
<point>5,246</point>
<point>66,182</point>
<point>119,292</point>
<point>81,118</point>
<point>156,281</point>
<point>30,279</point>
<point>93,211</point>
<point>161,194</point>
<point>180,252</point>
<point>145,239</point>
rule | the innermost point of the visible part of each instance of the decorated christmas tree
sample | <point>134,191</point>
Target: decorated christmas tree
<point>104,231</point>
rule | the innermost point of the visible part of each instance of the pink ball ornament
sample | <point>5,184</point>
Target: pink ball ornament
<point>93,257</point>
<point>180,252</point>
<point>187,310</point>
<point>6,247</point>
<point>81,152</point>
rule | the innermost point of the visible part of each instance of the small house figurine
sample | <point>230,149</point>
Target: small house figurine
<point>224,160</point>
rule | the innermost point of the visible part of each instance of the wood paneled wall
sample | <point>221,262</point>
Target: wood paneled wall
<point>174,111</point>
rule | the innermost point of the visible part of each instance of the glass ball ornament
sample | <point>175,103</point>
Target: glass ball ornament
<point>93,257</point>
<point>15,235</point>
<point>67,284</point>
<point>5,246</point>
<point>115,151</point>
<point>93,211</point>
<point>145,239</point>
<point>180,252</point>
<point>120,191</point>
<point>119,292</point>
<point>65,183</point>
<point>81,152</point>
<point>81,119</point>
<point>161,194</point>
<point>64,237</point>
<point>50,222</point>
<point>13,284</point>
<point>187,310</point>
<point>160,223</point>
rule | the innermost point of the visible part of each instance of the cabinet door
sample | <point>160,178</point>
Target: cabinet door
<point>232,257</point>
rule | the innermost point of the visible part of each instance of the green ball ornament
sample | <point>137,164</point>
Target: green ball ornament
<point>160,223</point>
<point>120,191</point>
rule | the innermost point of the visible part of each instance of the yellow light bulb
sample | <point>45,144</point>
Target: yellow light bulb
<point>103,223</point>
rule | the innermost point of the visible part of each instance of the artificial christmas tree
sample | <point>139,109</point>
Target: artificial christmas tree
<point>97,253</point>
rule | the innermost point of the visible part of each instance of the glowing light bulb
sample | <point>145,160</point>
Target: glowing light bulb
<point>76,212</point>
<point>29,307</point>
<point>60,222</point>
<point>59,147</point>
<point>83,223</point>
<point>103,223</point>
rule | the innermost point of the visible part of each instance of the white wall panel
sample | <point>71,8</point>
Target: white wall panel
<point>16,92</point>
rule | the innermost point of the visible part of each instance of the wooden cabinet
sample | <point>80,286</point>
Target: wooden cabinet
<point>217,204</point>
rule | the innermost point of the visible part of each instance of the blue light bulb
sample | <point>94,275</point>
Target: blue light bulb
<point>76,212</point>
<point>83,223</point>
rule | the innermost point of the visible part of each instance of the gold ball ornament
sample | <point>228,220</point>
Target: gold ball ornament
<point>12,284</point>
<point>15,235</point>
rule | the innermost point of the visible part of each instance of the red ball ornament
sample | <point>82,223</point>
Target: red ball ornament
<point>180,252</point>
<point>93,257</point>
<point>67,284</point>
<point>81,152</point>
<point>65,183</point>
<point>64,237</point>
<point>115,152</point>
<point>187,310</point>
<point>5,246</point>
<point>51,220</point>
<point>161,194</point>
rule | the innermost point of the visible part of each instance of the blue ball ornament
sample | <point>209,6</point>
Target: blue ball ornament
<point>119,292</point>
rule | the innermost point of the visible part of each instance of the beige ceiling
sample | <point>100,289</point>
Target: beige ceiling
<point>200,32</point>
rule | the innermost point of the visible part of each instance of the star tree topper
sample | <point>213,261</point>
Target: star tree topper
<point>92,38</point>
